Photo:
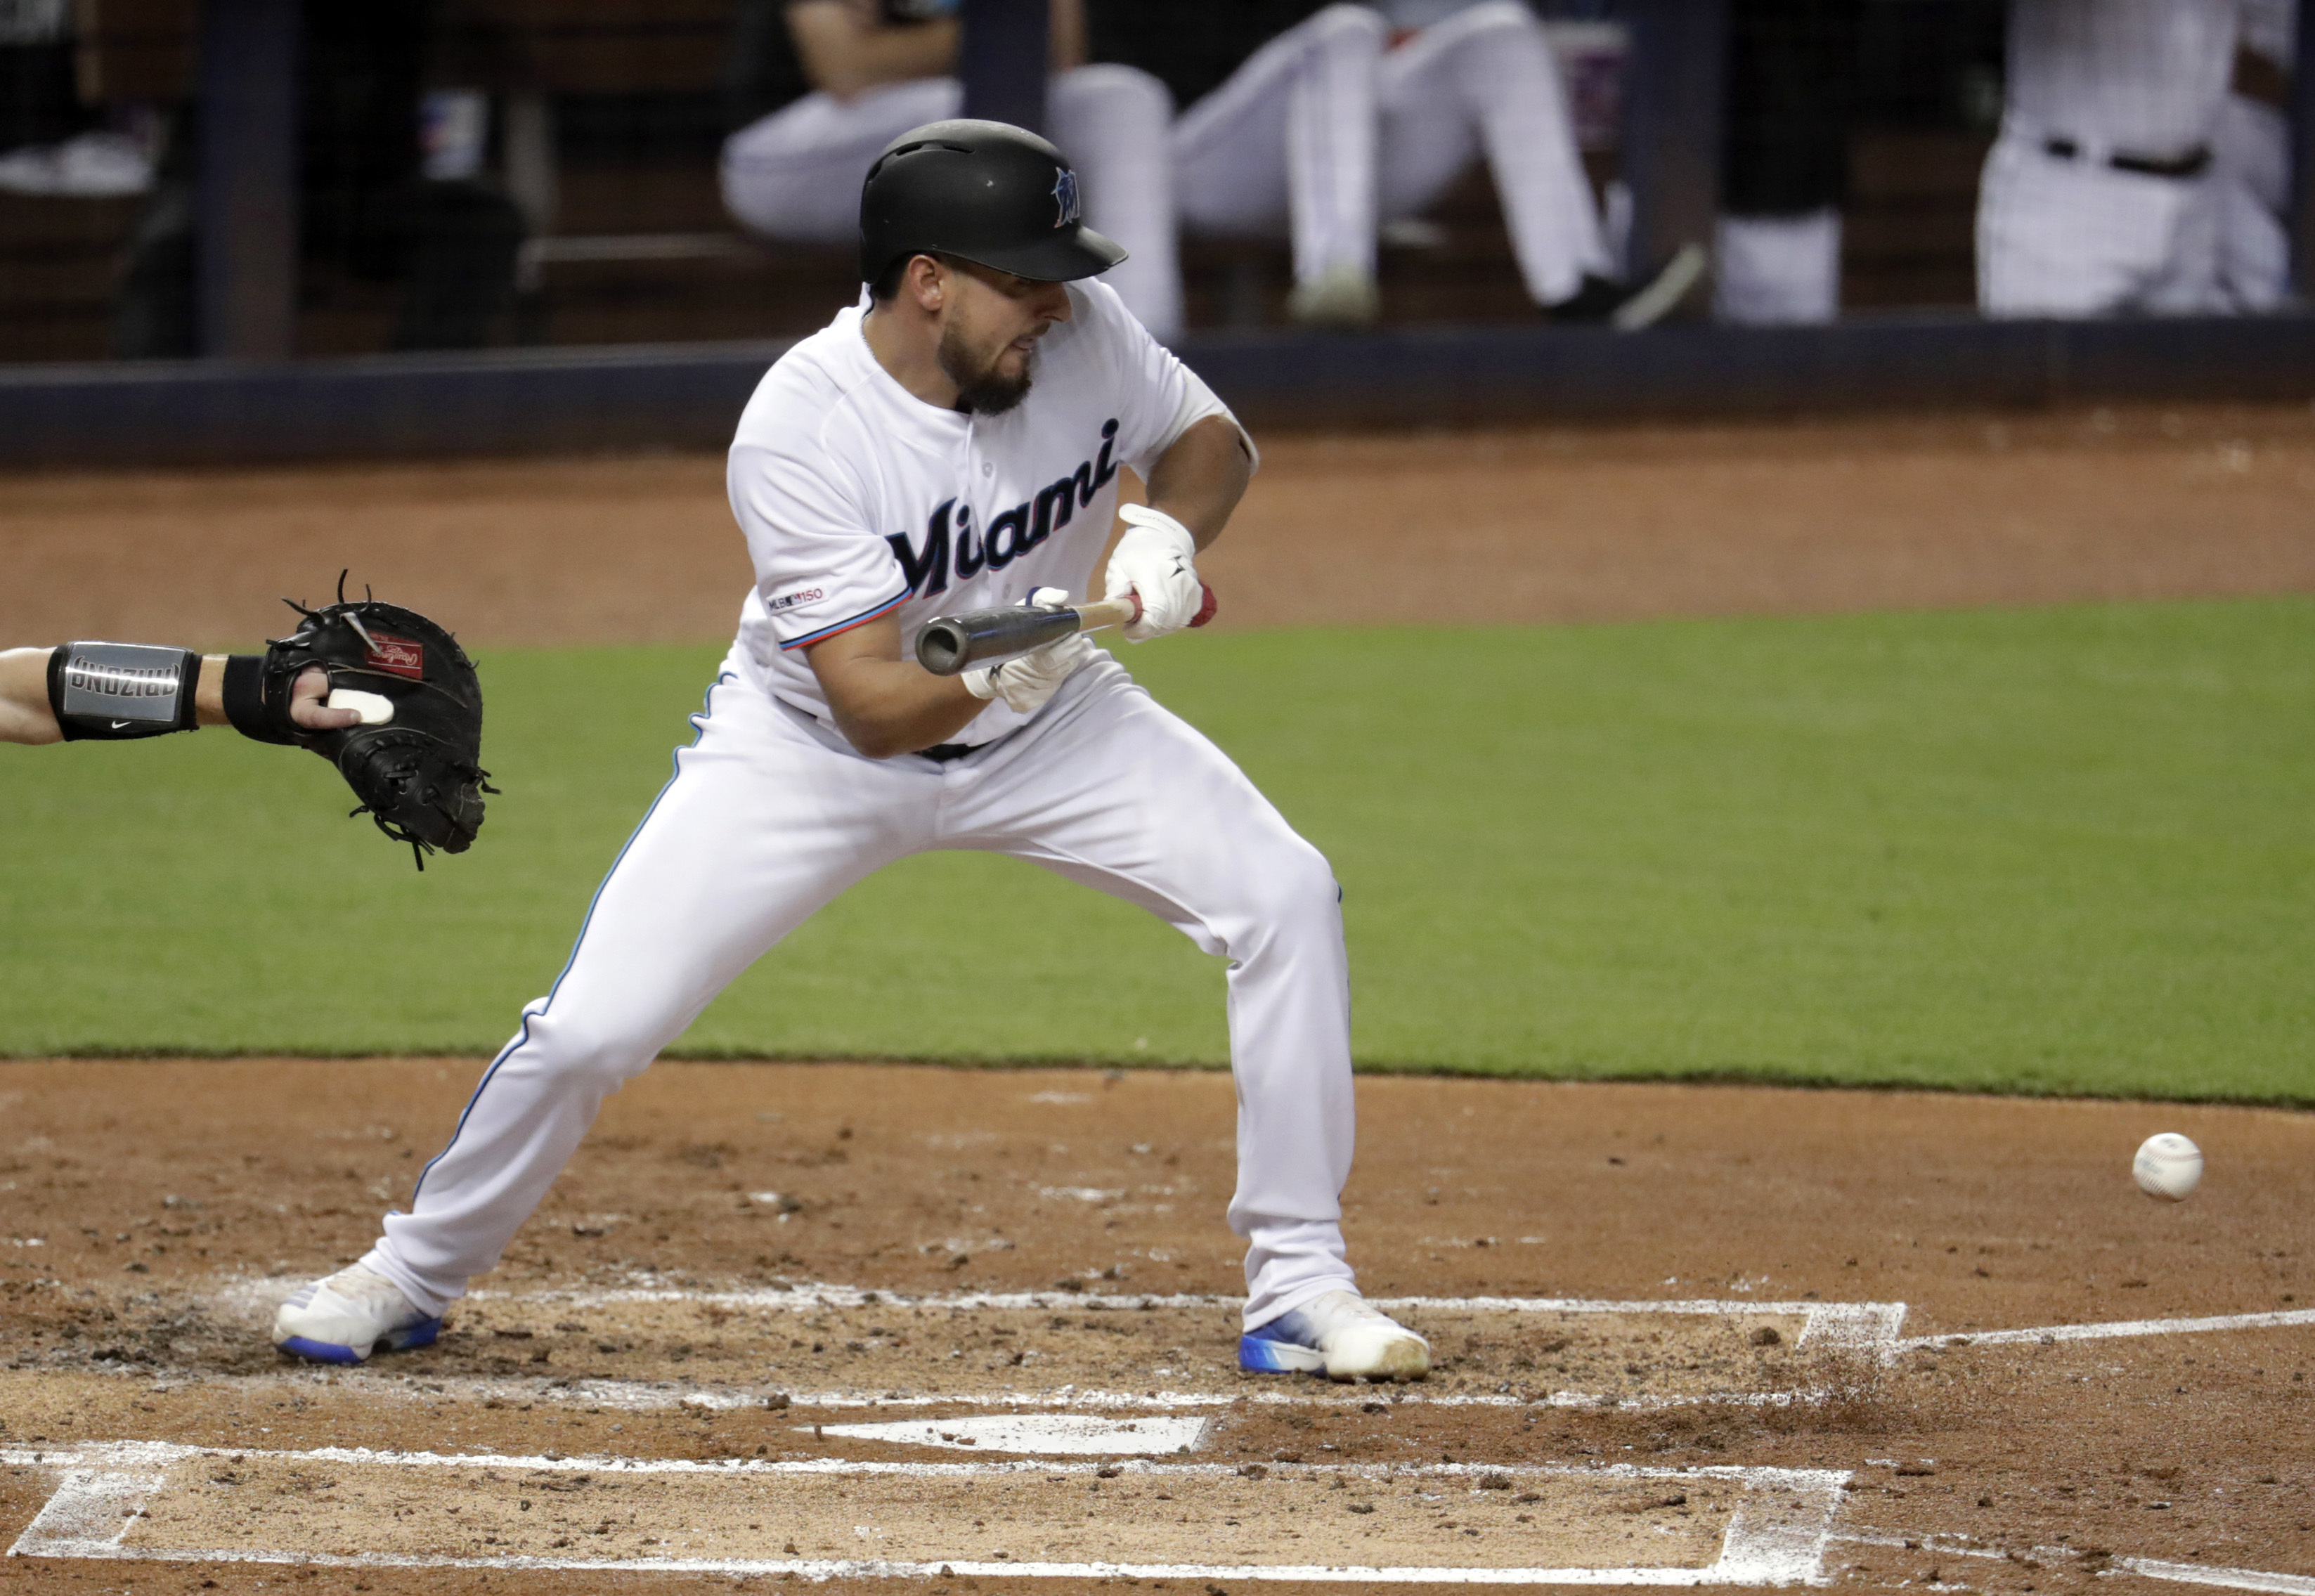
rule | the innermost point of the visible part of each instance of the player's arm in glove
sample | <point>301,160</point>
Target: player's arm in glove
<point>413,755</point>
<point>381,692</point>
<point>1194,486</point>
<point>29,712</point>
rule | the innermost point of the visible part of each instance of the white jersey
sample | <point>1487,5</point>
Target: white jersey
<point>860,499</point>
<point>2142,77</point>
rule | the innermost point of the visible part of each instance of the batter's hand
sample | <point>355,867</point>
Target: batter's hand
<point>1156,560</point>
<point>1027,682</point>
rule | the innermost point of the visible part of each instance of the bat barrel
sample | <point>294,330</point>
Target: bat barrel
<point>951,644</point>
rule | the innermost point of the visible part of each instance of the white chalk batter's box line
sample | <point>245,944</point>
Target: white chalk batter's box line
<point>105,1486</point>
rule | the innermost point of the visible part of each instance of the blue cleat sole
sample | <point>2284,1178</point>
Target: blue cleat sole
<point>421,1333</point>
<point>1258,1354</point>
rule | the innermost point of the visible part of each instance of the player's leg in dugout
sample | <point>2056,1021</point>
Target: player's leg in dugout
<point>1115,124</point>
<point>1485,78</point>
<point>795,174</point>
<point>1109,789</point>
<point>1287,144</point>
<point>768,817</point>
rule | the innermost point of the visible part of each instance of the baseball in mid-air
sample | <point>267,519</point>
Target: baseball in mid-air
<point>2169,1166</point>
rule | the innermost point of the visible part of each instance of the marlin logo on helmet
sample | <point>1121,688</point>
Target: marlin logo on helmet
<point>1065,196</point>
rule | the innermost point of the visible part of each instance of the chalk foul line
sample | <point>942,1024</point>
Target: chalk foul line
<point>1777,1534</point>
<point>2051,1335</point>
<point>2190,1574</point>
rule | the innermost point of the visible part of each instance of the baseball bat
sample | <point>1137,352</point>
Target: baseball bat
<point>951,644</point>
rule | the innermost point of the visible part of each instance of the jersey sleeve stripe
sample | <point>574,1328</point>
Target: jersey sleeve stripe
<point>862,619</point>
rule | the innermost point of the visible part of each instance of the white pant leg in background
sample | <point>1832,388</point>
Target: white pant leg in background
<point>1288,145</point>
<point>1485,79</point>
<point>1777,271</point>
<point>2060,238</point>
<point>771,815</point>
<point>2250,156</point>
<point>795,174</point>
<point>1115,124</point>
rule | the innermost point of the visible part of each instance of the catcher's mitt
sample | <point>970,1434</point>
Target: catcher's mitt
<point>417,774</point>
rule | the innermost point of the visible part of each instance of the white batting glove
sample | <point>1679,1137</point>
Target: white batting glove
<point>1027,682</point>
<point>1156,559</point>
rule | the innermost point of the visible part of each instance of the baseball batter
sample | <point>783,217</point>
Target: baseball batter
<point>951,443</point>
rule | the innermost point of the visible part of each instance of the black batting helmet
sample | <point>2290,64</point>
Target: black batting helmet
<point>986,192</point>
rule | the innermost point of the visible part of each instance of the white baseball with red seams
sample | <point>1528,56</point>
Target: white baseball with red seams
<point>860,500</point>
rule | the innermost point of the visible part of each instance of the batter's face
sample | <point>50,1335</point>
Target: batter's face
<point>990,323</point>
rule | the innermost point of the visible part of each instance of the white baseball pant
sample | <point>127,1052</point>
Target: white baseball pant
<point>1484,81</point>
<point>1772,270</point>
<point>770,815</point>
<point>2075,237</point>
<point>795,174</point>
<point>1288,144</point>
<point>1323,132</point>
<point>2250,167</point>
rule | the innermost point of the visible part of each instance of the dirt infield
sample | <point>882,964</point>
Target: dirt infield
<point>1539,525</point>
<point>810,1290</point>
<point>975,1329</point>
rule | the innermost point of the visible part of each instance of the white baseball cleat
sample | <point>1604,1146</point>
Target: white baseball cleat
<point>1336,1335</point>
<point>345,1319</point>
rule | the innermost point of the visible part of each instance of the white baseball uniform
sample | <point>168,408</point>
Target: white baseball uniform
<point>2070,221</point>
<point>2250,167</point>
<point>860,500</point>
<point>796,174</point>
<point>1328,128</point>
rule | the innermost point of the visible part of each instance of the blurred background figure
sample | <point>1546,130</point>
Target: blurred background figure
<point>390,190</point>
<point>1792,77</point>
<point>819,87</point>
<point>2099,197</point>
<point>1326,122</point>
<point>51,144</point>
<point>2250,160</point>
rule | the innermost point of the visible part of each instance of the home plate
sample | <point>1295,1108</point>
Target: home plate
<point>1459,1523</point>
<point>1044,1434</point>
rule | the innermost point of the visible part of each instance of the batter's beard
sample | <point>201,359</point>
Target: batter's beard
<point>985,390</point>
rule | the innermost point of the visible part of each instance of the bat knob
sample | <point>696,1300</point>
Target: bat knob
<point>1206,608</point>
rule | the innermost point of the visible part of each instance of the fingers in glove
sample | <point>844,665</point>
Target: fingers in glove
<point>1156,561</point>
<point>309,708</point>
<point>1028,683</point>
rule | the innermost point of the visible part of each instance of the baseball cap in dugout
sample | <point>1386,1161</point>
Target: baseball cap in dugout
<point>988,192</point>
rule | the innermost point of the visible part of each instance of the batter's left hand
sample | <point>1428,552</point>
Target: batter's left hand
<point>1156,559</point>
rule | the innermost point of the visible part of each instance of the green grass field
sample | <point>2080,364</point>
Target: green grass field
<point>2064,850</point>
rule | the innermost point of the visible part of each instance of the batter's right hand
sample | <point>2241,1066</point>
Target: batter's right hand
<point>1156,559</point>
<point>1027,682</point>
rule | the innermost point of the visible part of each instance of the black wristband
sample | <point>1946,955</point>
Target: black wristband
<point>244,701</point>
<point>115,692</point>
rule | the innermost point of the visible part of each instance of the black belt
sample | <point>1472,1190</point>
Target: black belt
<point>2190,164</point>
<point>943,753</point>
